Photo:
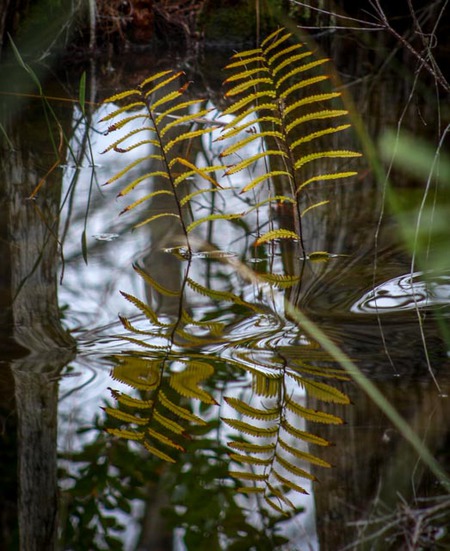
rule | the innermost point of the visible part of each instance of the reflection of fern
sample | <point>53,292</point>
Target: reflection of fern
<point>168,374</point>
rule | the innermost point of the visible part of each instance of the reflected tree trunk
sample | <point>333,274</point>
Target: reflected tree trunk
<point>38,345</point>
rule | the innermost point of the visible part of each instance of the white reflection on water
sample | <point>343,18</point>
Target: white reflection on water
<point>406,292</point>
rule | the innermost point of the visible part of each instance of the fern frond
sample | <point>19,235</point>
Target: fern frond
<point>297,471</point>
<point>127,169</point>
<point>138,373</point>
<point>319,134</point>
<point>242,143</point>
<point>166,99</point>
<point>289,484</point>
<point>160,84</point>
<point>244,475</point>
<point>301,85</point>
<point>124,416</point>
<point>246,428</point>
<point>276,234</point>
<point>270,94</point>
<point>169,424</point>
<point>313,415</point>
<point>120,110</point>
<point>264,177</point>
<point>122,95</point>
<point>154,77</point>
<point>316,116</point>
<point>155,217</point>
<point>186,382</point>
<point>158,453</point>
<point>301,69</point>
<point>130,327</point>
<point>251,490</point>
<point>144,308</point>
<point>127,434</point>
<point>203,172</point>
<point>308,100</point>
<point>128,135</point>
<point>157,173</point>
<point>164,439</point>
<point>330,176</point>
<point>250,460</point>
<point>179,411</point>
<point>305,456</point>
<point>247,162</point>
<point>323,391</point>
<point>252,448</point>
<point>255,413</point>
<point>252,83</point>
<point>325,154</point>
<point>212,217</point>
<point>246,74</point>
<point>281,281</point>
<point>130,401</point>
<point>174,108</point>
<point>186,136</point>
<point>254,58</point>
<point>275,506</point>
<point>311,207</point>
<point>155,284</point>
<point>146,198</point>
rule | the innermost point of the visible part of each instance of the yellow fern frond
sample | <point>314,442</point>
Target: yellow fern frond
<point>127,434</point>
<point>124,416</point>
<point>255,413</point>
<point>253,430</point>
<point>313,415</point>
<point>276,234</point>
<point>158,453</point>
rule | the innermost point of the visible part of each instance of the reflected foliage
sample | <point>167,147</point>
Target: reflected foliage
<point>187,360</point>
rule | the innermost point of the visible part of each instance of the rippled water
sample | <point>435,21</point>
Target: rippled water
<point>356,288</point>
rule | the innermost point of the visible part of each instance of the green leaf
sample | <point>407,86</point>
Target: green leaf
<point>158,453</point>
<point>289,484</point>
<point>247,162</point>
<point>130,401</point>
<point>173,426</point>
<point>127,434</point>
<point>253,430</point>
<point>179,410</point>
<point>157,173</point>
<point>164,439</point>
<point>212,217</point>
<point>124,416</point>
<point>297,471</point>
<point>325,154</point>
<point>155,217</point>
<point>252,448</point>
<point>305,456</point>
<point>186,382</point>
<point>243,475</point>
<point>313,415</point>
<point>248,459</point>
<point>325,177</point>
<point>266,176</point>
<point>276,234</point>
<point>255,413</point>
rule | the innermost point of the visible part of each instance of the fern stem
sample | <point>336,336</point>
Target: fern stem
<point>166,164</point>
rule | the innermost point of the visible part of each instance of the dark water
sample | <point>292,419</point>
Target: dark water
<point>213,348</point>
